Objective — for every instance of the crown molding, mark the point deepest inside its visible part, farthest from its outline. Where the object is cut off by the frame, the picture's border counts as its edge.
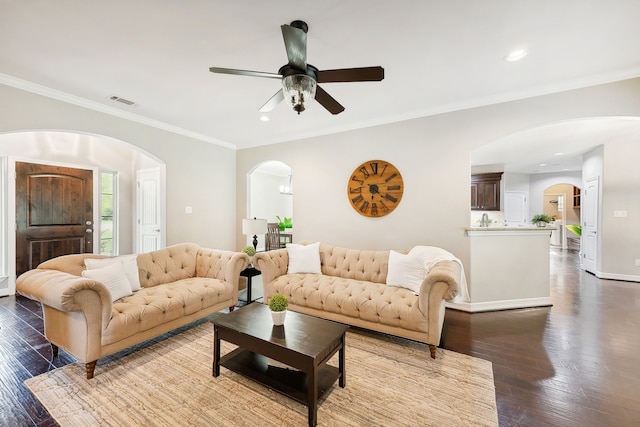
(96, 106)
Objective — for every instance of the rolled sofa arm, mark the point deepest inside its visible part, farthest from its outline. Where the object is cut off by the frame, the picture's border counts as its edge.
(235, 263)
(448, 272)
(58, 290)
(272, 264)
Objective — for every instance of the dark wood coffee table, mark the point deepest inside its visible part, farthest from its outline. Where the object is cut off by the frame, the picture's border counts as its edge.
(304, 343)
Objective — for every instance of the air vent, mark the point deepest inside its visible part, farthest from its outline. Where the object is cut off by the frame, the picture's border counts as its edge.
(124, 101)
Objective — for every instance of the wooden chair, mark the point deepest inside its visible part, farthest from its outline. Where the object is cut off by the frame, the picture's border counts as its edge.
(272, 238)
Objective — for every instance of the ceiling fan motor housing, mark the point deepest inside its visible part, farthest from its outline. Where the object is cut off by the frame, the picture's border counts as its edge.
(288, 70)
(300, 25)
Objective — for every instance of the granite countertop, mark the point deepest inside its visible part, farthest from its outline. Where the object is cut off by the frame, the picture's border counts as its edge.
(503, 228)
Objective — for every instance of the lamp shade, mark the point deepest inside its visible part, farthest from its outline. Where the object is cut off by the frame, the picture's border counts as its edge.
(253, 227)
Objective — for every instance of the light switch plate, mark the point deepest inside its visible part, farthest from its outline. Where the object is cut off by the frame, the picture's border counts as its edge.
(188, 209)
(620, 214)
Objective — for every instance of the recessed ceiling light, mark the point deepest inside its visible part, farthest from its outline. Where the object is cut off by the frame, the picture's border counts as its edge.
(542, 164)
(516, 55)
(558, 154)
(264, 118)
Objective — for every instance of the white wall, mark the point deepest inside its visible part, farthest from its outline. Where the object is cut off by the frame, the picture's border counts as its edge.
(198, 174)
(322, 167)
(432, 153)
(620, 237)
(516, 182)
(267, 201)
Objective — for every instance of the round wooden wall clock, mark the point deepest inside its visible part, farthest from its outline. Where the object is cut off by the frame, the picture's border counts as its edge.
(375, 188)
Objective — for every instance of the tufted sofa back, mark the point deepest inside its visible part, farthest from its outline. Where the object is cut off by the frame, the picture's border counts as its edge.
(72, 264)
(168, 265)
(356, 264)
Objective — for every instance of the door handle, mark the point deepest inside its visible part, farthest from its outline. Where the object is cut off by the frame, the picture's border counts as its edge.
(89, 230)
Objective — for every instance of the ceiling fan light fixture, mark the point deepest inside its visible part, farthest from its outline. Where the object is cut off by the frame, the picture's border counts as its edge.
(298, 89)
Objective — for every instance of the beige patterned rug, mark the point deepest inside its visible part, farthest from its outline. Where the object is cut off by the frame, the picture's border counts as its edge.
(390, 382)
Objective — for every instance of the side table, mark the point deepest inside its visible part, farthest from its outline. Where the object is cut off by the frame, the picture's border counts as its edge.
(249, 272)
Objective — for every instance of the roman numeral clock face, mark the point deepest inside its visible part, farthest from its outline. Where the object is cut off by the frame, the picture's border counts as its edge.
(375, 188)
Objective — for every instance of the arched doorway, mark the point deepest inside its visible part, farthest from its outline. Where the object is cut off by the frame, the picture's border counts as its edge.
(270, 193)
(562, 202)
(103, 155)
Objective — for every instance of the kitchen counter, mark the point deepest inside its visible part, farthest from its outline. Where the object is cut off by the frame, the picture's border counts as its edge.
(502, 228)
(509, 268)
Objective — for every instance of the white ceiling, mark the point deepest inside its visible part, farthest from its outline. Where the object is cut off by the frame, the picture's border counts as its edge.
(438, 56)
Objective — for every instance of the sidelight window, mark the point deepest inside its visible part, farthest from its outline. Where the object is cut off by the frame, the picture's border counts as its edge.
(108, 213)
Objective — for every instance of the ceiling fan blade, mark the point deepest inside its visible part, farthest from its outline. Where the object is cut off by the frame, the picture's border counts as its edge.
(363, 74)
(328, 102)
(244, 72)
(272, 102)
(295, 42)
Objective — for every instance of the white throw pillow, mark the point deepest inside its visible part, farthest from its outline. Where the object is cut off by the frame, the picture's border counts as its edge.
(406, 271)
(130, 265)
(113, 277)
(304, 258)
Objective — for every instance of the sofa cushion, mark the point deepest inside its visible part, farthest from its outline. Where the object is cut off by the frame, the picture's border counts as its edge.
(152, 306)
(406, 271)
(114, 277)
(129, 264)
(304, 258)
(375, 302)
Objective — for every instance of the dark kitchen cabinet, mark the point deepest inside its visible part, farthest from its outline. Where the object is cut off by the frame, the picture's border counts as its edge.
(485, 191)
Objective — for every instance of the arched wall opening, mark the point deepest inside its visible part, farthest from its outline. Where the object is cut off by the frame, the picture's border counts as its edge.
(77, 150)
(270, 194)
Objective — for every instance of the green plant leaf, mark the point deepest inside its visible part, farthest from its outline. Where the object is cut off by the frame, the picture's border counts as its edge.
(575, 228)
(278, 302)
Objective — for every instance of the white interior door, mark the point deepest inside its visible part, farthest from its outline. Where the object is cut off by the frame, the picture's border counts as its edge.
(149, 223)
(589, 244)
(515, 208)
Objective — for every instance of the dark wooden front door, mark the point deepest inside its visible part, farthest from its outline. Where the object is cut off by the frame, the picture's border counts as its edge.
(54, 213)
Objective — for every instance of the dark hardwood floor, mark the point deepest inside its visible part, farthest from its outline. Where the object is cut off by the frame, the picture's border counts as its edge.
(574, 364)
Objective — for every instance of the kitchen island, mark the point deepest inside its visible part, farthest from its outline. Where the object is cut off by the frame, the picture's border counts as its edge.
(509, 268)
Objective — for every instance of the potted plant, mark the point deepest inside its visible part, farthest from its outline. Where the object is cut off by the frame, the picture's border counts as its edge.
(278, 305)
(251, 251)
(284, 223)
(541, 220)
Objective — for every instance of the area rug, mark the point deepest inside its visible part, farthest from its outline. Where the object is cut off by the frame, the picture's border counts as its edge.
(390, 382)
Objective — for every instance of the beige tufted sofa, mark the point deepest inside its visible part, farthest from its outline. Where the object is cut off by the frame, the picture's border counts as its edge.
(352, 290)
(179, 284)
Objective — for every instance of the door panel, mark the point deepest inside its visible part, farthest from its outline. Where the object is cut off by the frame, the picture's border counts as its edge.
(589, 211)
(148, 210)
(515, 208)
(54, 213)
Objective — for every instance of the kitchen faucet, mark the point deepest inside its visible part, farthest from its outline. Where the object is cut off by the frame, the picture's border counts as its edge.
(484, 222)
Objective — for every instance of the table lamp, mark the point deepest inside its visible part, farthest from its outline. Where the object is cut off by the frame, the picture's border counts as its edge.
(253, 227)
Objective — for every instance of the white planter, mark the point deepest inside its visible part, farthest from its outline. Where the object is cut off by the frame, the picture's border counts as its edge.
(278, 317)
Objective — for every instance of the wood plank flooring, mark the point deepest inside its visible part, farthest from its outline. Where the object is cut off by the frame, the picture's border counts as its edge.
(574, 364)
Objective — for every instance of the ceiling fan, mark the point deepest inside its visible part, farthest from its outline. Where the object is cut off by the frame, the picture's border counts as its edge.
(300, 80)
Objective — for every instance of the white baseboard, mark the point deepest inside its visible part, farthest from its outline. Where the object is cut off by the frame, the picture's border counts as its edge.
(476, 307)
(614, 276)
